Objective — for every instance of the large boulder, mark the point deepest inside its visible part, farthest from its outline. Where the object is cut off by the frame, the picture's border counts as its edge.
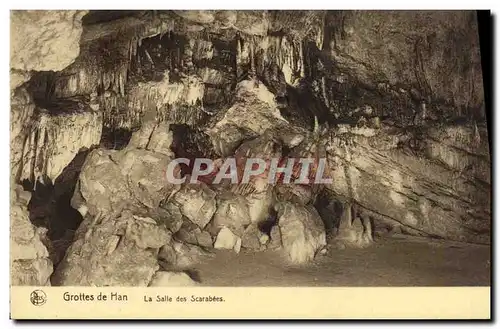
(110, 251)
(196, 202)
(254, 111)
(111, 181)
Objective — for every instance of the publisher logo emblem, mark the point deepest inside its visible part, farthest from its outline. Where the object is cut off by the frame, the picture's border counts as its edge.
(38, 297)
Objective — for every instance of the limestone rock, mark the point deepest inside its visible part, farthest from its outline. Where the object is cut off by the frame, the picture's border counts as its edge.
(197, 16)
(259, 205)
(204, 239)
(434, 39)
(113, 180)
(227, 240)
(168, 214)
(22, 109)
(251, 238)
(192, 234)
(179, 255)
(45, 40)
(196, 202)
(302, 231)
(17, 78)
(34, 272)
(188, 231)
(161, 139)
(54, 141)
(232, 212)
(29, 256)
(412, 188)
(171, 100)
(253, 112)
(171, 279)
(152, 136)
(354, 229)
(275, 238)
(253, 22)
(113, 252)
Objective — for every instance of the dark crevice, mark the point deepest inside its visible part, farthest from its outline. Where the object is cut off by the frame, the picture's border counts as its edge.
(50, 207)
(115, 138)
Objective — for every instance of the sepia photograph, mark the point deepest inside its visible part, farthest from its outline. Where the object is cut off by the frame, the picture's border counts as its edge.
(247, 148)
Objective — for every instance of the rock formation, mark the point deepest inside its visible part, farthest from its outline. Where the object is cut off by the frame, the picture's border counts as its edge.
(392, 100)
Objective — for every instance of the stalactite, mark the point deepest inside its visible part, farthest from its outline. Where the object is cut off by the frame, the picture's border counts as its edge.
(54, 141)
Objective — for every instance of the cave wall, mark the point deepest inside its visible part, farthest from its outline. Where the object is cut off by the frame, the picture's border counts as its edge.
(432, 54)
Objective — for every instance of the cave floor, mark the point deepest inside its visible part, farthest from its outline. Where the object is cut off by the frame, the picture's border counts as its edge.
(391, 261)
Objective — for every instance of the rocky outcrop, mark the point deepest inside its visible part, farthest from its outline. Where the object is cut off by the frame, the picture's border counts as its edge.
(404, 180)
(232, 212)
(30, 263)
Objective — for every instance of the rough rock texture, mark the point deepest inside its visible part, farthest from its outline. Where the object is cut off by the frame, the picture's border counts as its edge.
(434, 52)
(227, 240)
(54, 140)
(18, 77)
(232, 212)
(44, 40)
(172, 279)
(131, 178)
(109, 251)
(395, 99)
(412, 185)
(252, 238)
(153, 136)
(192, 234)
(182, 256)
(21, 116)
(275, 238)
(253, 112)
(196, 202)
(29, 256)
(302, 232)
(354, 229)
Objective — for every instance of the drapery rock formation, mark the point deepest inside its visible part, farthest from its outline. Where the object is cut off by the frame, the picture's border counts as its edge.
(393, 100)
